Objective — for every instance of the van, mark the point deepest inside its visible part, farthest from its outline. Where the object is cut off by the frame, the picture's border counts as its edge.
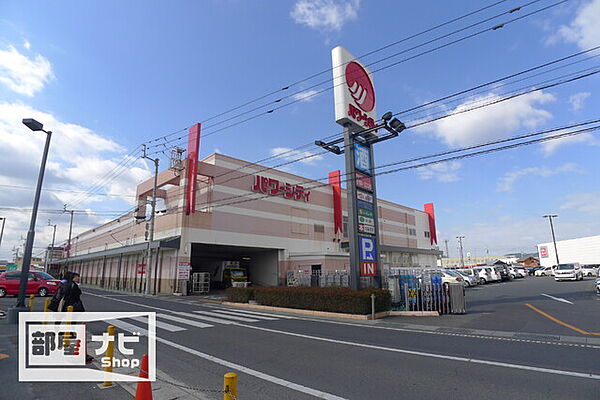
(568, 272)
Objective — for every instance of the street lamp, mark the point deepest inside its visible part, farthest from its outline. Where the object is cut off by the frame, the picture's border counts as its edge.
(462, 258)
(20, 306)
(550, 216)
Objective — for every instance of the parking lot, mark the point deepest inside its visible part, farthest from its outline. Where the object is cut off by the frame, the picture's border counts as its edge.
(531, 304)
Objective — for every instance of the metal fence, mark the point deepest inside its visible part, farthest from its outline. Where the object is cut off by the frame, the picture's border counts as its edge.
(415, 289)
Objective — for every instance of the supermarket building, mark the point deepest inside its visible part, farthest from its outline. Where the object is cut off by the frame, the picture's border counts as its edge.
(233, 210)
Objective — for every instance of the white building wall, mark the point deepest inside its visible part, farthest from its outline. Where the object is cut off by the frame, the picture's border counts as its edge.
(584, 250)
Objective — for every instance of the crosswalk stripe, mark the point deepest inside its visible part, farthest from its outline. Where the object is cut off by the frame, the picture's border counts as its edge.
(129, 327)
(162, 325)
(214, 314)
(185, 321)
(236, 313)
(252, 313)
(205, 318)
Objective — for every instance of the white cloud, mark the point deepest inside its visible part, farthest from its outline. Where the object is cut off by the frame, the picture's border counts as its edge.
(583, 202)
(577, 100)
(77, 158)
(491, 122)
(551, 146)
(306, 96)
(22, 74)
(506, 183)
(584, 30)
(287, 154)
(26, 44)
(326, 15)
(443, 172)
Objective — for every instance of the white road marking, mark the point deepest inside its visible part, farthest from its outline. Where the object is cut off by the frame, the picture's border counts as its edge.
(247, 315)
(556, 298)
(431, 355)
(214, 314)
(184, 321)
(253, 312)
(204, 318)
(253, 372)
(162, 325)
(129, 327)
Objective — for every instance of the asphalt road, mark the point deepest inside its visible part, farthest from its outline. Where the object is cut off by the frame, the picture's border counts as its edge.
(283, 356)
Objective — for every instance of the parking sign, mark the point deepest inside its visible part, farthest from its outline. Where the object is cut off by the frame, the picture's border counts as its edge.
(368, 248)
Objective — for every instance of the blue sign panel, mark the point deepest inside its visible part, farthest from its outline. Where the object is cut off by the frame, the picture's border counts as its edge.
(364, 204)
(362, 158)
(367, 248)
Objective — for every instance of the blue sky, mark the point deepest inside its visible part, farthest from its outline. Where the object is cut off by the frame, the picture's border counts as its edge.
(107, 76)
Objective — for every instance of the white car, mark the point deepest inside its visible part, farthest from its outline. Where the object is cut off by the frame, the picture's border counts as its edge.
(470, 280)
(516, 272)
(449, 276)
(597, 285)
(547, 271)
(590, 270)
(487, 274)
(568, 272)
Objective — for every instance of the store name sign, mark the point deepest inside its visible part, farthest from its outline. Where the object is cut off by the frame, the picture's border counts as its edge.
(276, 187)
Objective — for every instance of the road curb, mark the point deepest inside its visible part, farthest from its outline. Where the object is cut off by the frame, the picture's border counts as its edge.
(307, 312)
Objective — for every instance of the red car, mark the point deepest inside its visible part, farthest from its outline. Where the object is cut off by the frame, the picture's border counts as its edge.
(38, 283)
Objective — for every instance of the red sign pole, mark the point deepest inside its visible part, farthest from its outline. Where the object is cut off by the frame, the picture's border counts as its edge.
(334, 181)
(192, 168)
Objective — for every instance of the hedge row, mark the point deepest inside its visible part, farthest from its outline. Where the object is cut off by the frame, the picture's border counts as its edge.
(331, 299)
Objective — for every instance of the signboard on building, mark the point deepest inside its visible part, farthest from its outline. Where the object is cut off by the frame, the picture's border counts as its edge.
(365, 213)
(364, 196)
(183, 271)
(362, 158)
(192, 168)
(364, 182)
(543, 252)
(363, 228)
(140, 269)
(353, 91)
(275, 187)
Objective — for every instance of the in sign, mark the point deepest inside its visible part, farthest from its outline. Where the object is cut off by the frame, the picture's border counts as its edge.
(368, 268)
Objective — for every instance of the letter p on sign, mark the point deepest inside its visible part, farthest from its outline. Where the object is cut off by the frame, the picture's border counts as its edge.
(368, 250)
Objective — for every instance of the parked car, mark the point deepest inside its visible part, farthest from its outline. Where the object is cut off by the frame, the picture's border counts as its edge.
(590, 269)
(487, 274)
(531, 270)
(470, 280)
(37, 283)
(597, 285)
(546, 271)
(570, 272)
(503, 272)
(522, 271)
(449, 276)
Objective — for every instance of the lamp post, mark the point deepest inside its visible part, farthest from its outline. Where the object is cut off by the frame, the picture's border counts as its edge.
(20, 306)
(462, 258)
(550, 216)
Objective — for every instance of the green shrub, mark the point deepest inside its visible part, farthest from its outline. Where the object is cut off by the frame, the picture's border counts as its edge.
(239, 294)
(330, 299)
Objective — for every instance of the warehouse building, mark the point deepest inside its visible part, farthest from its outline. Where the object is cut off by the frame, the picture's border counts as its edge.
(269, 221)
(585, 250)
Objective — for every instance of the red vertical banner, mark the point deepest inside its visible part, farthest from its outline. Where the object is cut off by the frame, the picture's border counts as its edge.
(431, 214)
(334, 181)
(192, 168)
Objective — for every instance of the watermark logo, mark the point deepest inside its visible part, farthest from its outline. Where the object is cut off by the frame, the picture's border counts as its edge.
(53, 346)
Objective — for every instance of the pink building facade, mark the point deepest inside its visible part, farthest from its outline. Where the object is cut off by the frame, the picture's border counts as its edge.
(270, 221)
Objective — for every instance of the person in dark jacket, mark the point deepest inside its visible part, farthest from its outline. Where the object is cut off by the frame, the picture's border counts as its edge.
(73, 294)
(63, 287)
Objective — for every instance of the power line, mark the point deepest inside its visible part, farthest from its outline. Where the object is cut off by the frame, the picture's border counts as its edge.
(64, 190)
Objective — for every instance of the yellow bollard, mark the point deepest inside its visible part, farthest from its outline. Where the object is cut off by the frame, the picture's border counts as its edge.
(46, 308)
(110, 351)
(230, 386)
(31, 302)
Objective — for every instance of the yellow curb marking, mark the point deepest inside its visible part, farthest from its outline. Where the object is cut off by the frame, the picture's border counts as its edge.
(558, 321)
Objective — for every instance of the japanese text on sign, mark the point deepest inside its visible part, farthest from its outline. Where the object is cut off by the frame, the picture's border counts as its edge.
(275, 187)
(362, 158)
(359, 116)
(364, 196)
(364, 182)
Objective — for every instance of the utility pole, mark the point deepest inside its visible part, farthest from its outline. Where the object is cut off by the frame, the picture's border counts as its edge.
(152, 216)
(462, 259)
(70, 230)
(550, 216)
(49, 254)
(2, 230)
(447, 251)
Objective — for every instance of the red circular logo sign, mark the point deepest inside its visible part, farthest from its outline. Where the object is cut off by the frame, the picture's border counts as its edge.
(360, 86)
